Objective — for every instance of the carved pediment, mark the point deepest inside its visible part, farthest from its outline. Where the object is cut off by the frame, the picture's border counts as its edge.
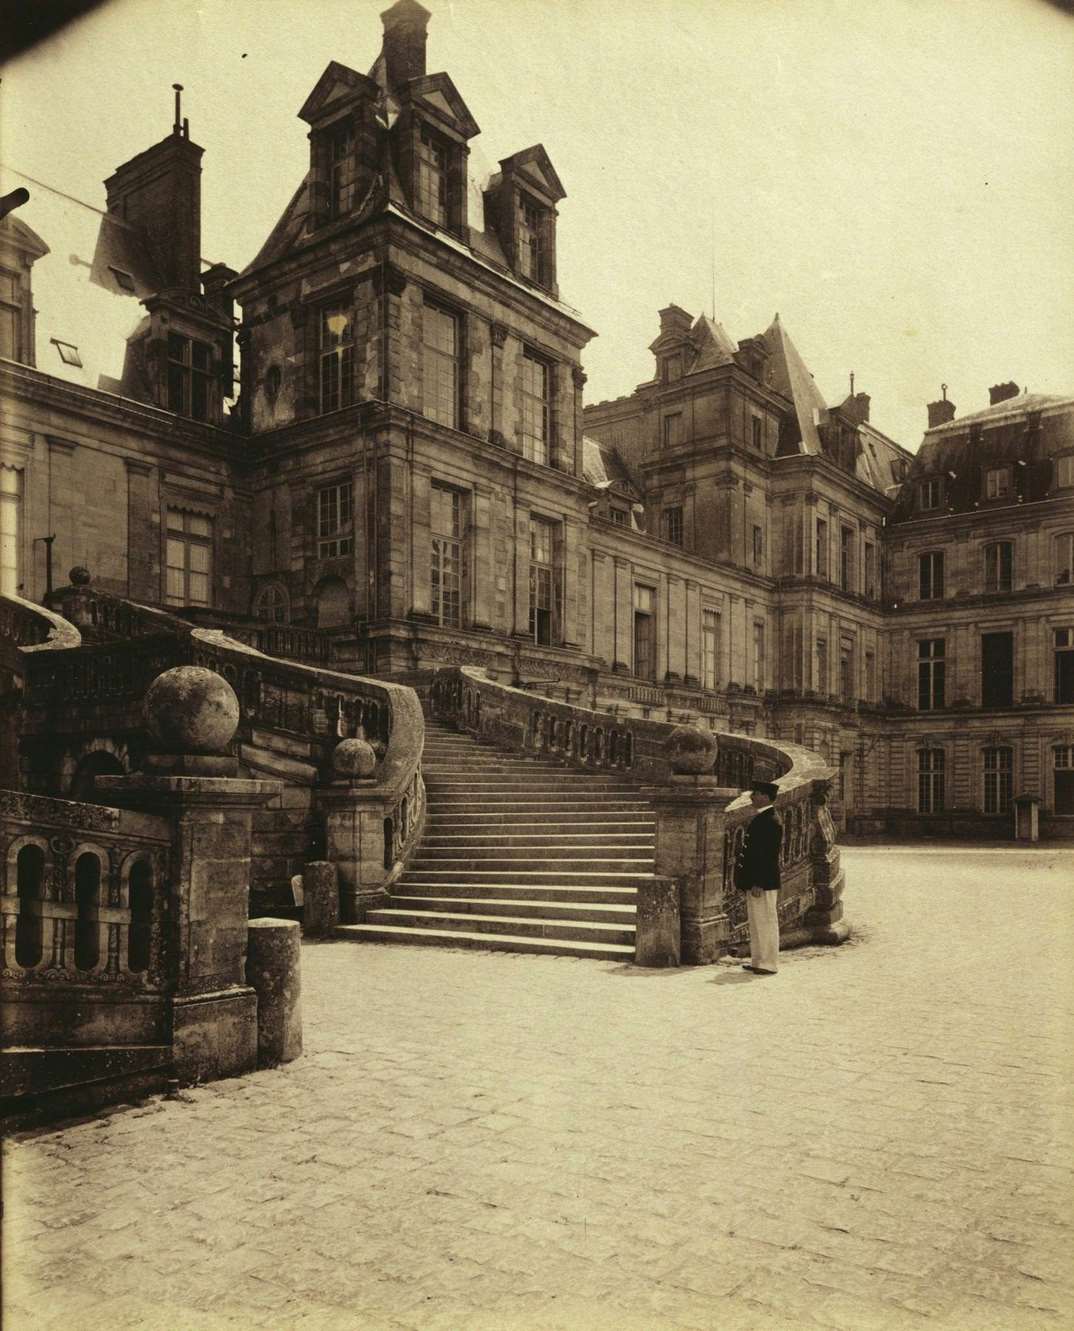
(534, 166)
(336, 85)
(437, 93)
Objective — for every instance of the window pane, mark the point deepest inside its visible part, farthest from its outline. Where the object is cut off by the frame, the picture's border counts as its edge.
(198, 556)
(198, 525)
(199, 589)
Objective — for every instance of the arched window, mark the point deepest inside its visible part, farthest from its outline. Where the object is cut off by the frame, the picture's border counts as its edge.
(30, 874)
(98, 763)
(333, 603)
(141, 927)
(87, 901)
(272, 605)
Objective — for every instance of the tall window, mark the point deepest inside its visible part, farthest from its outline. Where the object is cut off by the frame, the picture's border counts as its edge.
(546, 581)
(997, 669)
(930, 576)
(846, 668)
(1064, 470)
(644, 632)
(190, 558)
(758, 547)
(758, 656)
(619, 516)
(536, 408)
(10, 515)
(672, 429)
(1063, 773)
(997, 482)
(999, 566)
(337, 358)
(532, 253)
(931, 673)
(440, 365)
(870, 570)
(846, 558)
(446, 572)
(821, 559)
(710, 648)
(673, 524)
(335, 520)
(10, 315)
(997, 780)
(758, 433)
(1064, 665)
(1064, 559)
(930, 780)
(341, 170)
(433, 177)
(189, 376)
(822, 665)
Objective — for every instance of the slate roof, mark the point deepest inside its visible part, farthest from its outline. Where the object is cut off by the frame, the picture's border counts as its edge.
(714, 346)
(603, 467)
(788, 375)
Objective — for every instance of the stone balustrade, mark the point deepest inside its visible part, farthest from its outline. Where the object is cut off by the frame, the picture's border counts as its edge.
(694, 780)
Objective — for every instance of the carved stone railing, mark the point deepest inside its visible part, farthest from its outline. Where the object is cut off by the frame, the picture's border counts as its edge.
(83, 901)
(694, 780)
(31, 627)
(292, 642)
(75, 690)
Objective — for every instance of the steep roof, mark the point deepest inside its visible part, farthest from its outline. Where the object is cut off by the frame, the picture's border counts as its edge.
(714, 345)
(789, 376)
(602, 466)
(1012, 406)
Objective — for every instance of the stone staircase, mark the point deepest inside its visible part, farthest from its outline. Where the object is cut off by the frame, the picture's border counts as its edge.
(519, 855)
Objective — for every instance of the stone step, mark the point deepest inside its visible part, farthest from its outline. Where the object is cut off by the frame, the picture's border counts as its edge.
(526, 862)
(607, 912)
(569, 894)
(474, 823)
(436, 872)
(553, 803)
(531, 841)
(517, 926)
(511, 856)
(449, 786)
(383, 933)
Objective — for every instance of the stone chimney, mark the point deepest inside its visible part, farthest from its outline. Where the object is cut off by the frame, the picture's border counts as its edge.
(675, 319)
(159, 192)
(941, 412)
(1001, 392)
(857, 406)
(405, 27)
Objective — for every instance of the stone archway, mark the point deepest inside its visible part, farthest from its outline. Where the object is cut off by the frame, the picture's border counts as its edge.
(332, 603)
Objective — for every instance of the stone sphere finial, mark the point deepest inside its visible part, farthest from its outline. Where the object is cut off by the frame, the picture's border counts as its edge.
(191, 710)
(80, 576)
(354, 758)
(690, 750)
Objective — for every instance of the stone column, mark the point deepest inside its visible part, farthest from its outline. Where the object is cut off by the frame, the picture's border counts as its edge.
(192, 715)
(354, 830)
(624, 615)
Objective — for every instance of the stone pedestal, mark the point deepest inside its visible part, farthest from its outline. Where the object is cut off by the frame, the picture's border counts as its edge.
(824, 919)
(320, 898)
(690, 827)
(214, 1010)
(273, 970)
(659, 930)
(354, 834)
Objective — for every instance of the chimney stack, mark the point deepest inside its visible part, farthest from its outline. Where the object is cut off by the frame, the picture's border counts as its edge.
(675, 319)
(405, 27)
(1001, 392)
(159, 192)
(941, 412)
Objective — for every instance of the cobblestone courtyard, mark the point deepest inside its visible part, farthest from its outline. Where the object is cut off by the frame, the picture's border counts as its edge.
(880, 1136)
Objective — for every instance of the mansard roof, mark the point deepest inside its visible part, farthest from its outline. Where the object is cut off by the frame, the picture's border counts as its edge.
(604, 469)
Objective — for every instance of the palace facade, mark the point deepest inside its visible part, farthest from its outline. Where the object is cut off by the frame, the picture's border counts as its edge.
(402, 464)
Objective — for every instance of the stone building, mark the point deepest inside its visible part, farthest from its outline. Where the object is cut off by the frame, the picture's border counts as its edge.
(402, 474)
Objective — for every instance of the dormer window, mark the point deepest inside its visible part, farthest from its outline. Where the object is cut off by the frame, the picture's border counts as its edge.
(341, 167)
(68, 352)
(433, 166)
(189, 376)
(10, 315)
(997, 482)
(532, 243)
(930, 494)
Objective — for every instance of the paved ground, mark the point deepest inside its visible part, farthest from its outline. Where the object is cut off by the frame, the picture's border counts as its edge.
(879, 1136)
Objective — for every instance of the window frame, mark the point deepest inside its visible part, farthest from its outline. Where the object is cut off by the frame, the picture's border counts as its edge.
(1063, 663)
(847, 562)
(931, 780)
(710, 647)
(335, 358)
(1058, 578)
(342, 170)
(448, 557)
(189, 384)
(535, 422)
(191, 540)
(997, 779)
(672, 526)
(12, 490)
(532, 247)
(1063, 462)
(994, 570)
(546, 581)
(1006, 473)
(931, 674)
(442, 401)
(930, 494)
(821, 549)
(931, 587)
(334, 505)
(432, 156)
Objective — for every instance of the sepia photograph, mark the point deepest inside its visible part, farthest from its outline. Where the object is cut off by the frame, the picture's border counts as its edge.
(537, 665)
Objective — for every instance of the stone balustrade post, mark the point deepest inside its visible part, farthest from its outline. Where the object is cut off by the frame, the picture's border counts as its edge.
(354, 816)
(192, 715)
(824, 919)
(690, 836)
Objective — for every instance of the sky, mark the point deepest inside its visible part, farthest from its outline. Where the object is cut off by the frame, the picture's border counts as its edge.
(892, 176)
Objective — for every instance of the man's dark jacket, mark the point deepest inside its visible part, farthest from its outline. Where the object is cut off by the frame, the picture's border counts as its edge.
(758, 861)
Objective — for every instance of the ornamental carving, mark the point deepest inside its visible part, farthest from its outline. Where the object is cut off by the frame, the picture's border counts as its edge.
(40, 809)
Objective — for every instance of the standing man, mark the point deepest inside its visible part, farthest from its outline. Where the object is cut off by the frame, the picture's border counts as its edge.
(757, 874)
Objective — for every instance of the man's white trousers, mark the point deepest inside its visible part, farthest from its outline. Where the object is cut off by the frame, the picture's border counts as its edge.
(762, 912)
